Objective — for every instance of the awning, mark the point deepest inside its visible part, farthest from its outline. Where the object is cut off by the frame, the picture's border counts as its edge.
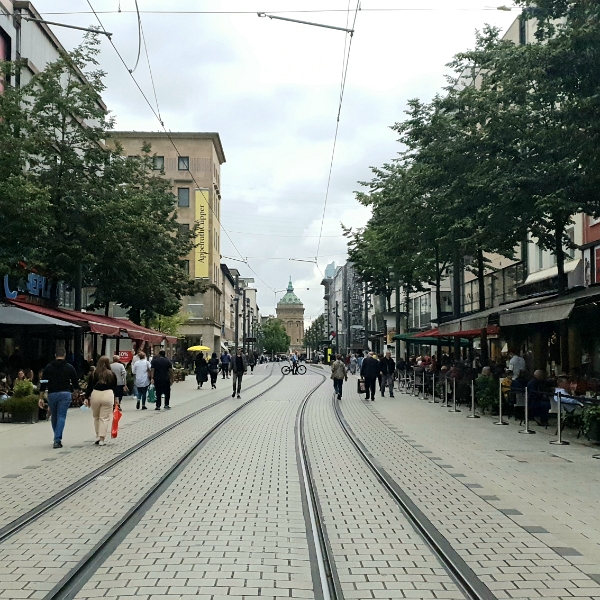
(473, 333)
(429, 333)
(12, 316)
(546, 311)
(544, 274)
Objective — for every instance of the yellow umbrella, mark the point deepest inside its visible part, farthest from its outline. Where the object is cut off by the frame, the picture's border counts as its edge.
(199, 349)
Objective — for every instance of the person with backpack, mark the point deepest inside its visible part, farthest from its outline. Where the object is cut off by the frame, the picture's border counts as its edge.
(339, 374)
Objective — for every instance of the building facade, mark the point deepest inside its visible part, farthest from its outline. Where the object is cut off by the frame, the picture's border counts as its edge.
(194, 167)
(290, 311)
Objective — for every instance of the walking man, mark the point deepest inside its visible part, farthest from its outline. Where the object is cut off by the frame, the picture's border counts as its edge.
(161, 372)
(141, 374)
(369, 372)
(387, 369)
(239, 366)
(339, 374)
(59, 378)
(225, 363)
(121, 374)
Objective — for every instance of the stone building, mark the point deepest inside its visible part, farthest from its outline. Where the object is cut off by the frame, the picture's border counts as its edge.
(290, 311)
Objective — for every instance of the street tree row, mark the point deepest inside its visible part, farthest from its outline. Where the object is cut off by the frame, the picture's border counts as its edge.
(510, 147)
(72, 206)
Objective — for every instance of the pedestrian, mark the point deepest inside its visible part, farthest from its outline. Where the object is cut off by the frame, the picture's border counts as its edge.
(100, 396)
(339, 374)
(379, 358)
(213, 370)
(387, 367)
(120, 372)
(201, 369)
(60, 379)
(369, 372)
(353, 364)
(251, 362)
(161, 375)
(359, 362)
(141, 374)
(239, 366)
(225, 363)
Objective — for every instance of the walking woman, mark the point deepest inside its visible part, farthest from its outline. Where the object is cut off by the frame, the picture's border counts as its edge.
(201, 369)
(100, 396)
(213, 370)
(339, 374)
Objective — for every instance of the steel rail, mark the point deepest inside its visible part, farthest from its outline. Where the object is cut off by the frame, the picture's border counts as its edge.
(70, 585)
(466, 579)
(330, 585)
(38, 511)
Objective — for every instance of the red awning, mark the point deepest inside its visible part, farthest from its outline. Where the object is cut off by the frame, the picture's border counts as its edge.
(429, 333)
(473, 333)
(137, 332)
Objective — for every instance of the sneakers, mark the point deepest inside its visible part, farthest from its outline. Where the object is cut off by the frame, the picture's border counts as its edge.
(239, 397)
(97, 442)
(391, 395)
(101, 443)
(157, 408)
(57, 445)
(137, 404)
(167, 408)
(339, 396)
(233, 395)
(144, 408)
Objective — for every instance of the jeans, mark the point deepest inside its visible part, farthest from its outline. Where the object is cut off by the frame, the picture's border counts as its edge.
(337, 386)
(141, 394)
(387, 381)
(237, 379)
(162, 387)
(225, 369)
(59, 403)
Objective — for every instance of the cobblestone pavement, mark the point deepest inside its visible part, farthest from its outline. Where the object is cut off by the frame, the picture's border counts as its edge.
(377, 553)
(50, 471)
(509, 557)
(232, 525)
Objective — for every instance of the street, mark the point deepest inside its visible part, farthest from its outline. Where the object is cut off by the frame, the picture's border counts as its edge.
(257, 497)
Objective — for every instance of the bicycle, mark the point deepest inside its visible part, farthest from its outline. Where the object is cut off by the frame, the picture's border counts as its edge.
(286, 370)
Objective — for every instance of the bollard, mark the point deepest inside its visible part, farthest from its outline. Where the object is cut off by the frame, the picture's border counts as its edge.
(414, 383)
(433, 400)
(454, 409)
(559, 441)
(500, 420)
(446, 391)
(472, 415)
(527, 430)
(424, 390)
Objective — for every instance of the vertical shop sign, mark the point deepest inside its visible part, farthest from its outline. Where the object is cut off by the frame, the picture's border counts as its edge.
(202, 255)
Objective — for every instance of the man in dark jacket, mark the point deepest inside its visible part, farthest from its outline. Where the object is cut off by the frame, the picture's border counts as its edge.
(239, 366)
(387, 368)
(161, 371)
(59, 378)
(369, 372)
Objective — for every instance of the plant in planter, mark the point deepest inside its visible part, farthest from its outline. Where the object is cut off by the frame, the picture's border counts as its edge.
(591, 423)
(23, 404)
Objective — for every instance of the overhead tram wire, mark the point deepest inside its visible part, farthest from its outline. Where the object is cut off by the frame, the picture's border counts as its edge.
(159, 119)
(280, 12)
(337, 126)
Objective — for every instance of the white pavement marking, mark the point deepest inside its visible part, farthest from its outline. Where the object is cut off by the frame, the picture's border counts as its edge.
(232, 525)
(511, 561)
(377, 552)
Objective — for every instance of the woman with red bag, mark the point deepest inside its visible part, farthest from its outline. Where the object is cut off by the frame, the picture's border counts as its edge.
(100, 396)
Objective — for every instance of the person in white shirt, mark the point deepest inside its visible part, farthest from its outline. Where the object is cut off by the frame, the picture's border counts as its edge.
(121, 374)
(517, 365)
(141, 374)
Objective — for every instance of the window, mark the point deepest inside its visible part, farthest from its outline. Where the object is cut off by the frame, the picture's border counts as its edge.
(184, 227)
(183, 197)
(540, 258)
(571, 235)
(522, 31)
(186, 267)
(183, 163)
(158, 163)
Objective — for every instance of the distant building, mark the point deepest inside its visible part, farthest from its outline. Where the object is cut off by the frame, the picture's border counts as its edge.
(290, 311)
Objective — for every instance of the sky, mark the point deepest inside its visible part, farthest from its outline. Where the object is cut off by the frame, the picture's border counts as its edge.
(271, 89)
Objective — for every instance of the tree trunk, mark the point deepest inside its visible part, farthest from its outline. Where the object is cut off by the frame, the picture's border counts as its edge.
(438, 286)
(135, 315)
(456, 265)
(560, 259)
(106, 309)
(480, 278)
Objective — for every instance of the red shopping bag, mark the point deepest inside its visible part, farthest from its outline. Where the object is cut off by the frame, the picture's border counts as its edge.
(115, 425)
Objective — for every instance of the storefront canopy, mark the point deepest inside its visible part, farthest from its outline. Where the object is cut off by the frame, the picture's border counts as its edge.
(555, 309)
(12, 316)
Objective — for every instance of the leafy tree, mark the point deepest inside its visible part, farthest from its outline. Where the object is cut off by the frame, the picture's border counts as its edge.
(315, 334)
(171, 325)
(274, 337)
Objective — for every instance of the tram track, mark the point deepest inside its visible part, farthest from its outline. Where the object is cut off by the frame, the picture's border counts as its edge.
(44, 507)
(460, 572)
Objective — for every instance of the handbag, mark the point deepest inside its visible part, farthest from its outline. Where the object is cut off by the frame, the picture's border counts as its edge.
(151, 397)
(361, 388)
(115, 424)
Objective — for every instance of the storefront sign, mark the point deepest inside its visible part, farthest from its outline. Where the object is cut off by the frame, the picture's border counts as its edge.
(35, 285)
(125, 356)
(202, 241)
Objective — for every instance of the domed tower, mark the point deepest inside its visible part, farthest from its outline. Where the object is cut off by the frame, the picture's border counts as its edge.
(290, 311)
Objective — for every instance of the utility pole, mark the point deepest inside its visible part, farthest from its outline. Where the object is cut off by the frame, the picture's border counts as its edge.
(337, 343)
(237, 312)
(244, 319)
(348, 323)
(366, 340)
(397, 320)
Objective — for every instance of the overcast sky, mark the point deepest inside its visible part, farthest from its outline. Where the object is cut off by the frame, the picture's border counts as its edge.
(271, 90)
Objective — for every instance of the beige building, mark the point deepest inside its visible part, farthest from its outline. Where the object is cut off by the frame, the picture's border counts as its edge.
(194, 167)
(290, 311)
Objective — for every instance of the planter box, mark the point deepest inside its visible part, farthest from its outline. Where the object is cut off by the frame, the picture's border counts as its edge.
(594, 431)
(33, 418)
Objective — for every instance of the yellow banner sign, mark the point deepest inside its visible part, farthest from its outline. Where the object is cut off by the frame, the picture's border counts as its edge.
(202, 256)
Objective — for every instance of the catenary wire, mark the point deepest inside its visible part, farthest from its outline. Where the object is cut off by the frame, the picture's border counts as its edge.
(167, 132)
(337, 127)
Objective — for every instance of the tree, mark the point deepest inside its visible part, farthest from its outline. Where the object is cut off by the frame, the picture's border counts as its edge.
(274, 337)
(171, 325)
(315, 334)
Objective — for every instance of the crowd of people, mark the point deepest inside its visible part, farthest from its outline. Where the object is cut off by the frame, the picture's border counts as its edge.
(232, 367)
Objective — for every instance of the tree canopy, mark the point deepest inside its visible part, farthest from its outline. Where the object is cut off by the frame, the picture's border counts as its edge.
(274, 338)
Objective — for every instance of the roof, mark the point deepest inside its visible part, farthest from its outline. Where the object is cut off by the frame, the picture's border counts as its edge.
(290, 299)
(179, 135)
